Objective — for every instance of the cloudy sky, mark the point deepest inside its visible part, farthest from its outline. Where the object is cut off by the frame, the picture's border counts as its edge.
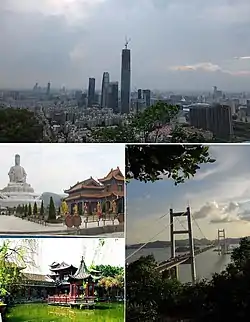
(56, 167)
(180, 44)
(219, 197)
(51, 250)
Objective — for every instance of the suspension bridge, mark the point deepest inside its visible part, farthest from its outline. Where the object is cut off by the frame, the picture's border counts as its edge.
(170, 266)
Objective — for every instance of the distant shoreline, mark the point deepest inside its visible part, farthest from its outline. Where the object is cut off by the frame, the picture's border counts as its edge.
(179, 243)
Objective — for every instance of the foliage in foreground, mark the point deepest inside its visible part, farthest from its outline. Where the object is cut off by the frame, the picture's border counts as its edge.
(152, 297)
(13, 258)
(146, 126)
(178, 162)
(19, 126)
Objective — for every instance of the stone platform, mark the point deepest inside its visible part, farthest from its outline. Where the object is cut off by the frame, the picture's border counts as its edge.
(11, 225)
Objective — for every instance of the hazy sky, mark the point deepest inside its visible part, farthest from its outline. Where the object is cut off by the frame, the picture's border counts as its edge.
(218, 196)
(180, 44)
(56, 167)
(51, 250)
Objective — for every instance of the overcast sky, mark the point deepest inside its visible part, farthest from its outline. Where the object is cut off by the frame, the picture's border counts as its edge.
(181, 44)
(56, 167)
(51, 250)
(218, 196)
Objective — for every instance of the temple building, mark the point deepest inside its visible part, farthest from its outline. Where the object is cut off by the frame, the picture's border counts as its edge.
(88, 193)
(60, 275)
(86, 276)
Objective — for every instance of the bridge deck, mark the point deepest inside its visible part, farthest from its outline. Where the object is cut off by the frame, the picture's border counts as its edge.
(181, 259)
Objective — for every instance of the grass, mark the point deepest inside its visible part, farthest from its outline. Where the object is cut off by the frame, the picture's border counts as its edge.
(112, 312)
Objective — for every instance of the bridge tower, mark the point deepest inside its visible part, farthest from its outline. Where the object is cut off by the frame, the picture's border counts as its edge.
(189, 232)
(222, 246)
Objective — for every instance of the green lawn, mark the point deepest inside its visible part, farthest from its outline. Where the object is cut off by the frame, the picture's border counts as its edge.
(46, 313)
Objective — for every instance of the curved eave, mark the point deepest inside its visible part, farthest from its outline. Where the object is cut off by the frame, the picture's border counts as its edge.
(122, 179)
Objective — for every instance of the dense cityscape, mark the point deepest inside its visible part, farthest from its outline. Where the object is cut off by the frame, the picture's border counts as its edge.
(68, 115)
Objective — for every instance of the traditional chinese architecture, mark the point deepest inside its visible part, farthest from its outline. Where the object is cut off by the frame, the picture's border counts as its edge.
(31, 287)
(107, 192)
(60, 273)
(81, 287)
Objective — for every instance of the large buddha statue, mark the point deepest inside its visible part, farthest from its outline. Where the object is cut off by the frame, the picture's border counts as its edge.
(17, 173)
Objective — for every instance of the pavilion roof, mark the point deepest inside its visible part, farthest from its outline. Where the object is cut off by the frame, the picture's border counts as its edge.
(89, 183)
(37, 278)
(113, 173)
(84, 273)
(103, 195)
(56, 266)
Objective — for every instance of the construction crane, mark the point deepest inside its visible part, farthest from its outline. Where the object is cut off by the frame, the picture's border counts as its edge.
(127, 41)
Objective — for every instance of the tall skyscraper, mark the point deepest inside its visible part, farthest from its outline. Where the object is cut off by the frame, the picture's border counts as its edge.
(91, 92)
(113, 97)
(125, 80)
(105, 87)
(139, 94)
(147, 97)
(48, 89)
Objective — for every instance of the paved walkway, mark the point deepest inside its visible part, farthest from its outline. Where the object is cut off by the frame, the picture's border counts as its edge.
(10, 224)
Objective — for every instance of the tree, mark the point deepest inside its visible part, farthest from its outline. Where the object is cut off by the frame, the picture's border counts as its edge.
(14, 256)
(35, 211)
(26, 210)
(42, 210)
(29, 210)
(19, 126)
(226, 294)
(147, 126)
(178, 162)
(52, 210)
(108, 270)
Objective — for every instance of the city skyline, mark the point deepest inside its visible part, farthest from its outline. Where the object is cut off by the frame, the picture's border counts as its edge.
(56, 167)
(209, 45)
(218, 196)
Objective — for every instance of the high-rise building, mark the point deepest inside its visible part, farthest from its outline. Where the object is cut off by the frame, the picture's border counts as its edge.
(139, 94)
(91, 92)
(105, 87)
(113, 97)
(216, 118)
(125, 80)
(48, 89)
(147, 97)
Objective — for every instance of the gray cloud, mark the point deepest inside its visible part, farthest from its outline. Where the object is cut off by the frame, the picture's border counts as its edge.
(224, 213)
(68, 41)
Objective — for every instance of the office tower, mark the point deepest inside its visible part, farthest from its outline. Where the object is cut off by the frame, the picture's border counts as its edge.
(198, 116)
(125, 80)
(220, 121)
(216, 118)
(35, 87)
(48, 89)
(105, 87)
(113, 97)
(139, 94)
(91, 92)
(147, 97)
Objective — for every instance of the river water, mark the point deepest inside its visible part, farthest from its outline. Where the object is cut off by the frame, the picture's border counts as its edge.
(206, 263)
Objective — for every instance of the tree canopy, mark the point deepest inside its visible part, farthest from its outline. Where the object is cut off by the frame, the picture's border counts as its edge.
(178, 162)
(19, 126)
(13, 258)
(52, 210)
(146, 126)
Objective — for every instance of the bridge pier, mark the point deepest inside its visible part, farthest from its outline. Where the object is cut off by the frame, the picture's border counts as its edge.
(189, 232)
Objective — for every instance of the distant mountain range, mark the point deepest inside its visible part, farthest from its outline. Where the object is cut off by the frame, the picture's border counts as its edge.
(56, 198)
(181, 243)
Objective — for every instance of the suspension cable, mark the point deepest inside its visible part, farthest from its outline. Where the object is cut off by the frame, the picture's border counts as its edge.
(145, 244)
